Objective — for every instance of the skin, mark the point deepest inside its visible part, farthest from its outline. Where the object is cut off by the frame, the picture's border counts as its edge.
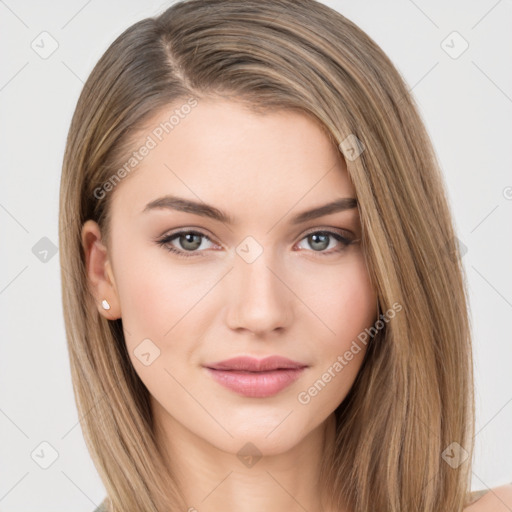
(292, 300)
(498, 499)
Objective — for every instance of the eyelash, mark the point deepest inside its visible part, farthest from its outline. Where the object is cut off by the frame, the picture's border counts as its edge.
(165, 240)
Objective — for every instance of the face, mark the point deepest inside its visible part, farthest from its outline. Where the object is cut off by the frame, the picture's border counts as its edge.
(194, 290)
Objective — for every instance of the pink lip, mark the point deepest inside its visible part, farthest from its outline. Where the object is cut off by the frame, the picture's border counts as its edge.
(256, 378)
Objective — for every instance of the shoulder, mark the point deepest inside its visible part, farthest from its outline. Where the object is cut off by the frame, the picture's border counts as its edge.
(498, 499)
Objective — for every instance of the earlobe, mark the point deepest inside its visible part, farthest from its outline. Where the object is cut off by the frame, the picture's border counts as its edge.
(99, 273)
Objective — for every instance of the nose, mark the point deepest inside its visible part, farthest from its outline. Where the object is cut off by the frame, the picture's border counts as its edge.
(259, 300)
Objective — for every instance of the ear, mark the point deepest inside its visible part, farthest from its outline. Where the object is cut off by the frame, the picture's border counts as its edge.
(99, 271)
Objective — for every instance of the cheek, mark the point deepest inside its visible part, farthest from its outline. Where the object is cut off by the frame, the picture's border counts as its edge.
(156, 300)
(152, 294)
(347, 306)
(357, 304)
(345, 300)
(162, 300)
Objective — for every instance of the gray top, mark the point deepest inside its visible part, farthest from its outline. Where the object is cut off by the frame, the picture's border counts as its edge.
(102, 507)
(473, 496)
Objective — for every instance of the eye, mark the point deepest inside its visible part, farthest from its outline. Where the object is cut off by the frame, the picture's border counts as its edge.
(189, 241)
(319, 241)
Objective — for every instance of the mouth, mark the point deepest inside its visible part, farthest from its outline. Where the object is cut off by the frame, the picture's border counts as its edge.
(256, 378)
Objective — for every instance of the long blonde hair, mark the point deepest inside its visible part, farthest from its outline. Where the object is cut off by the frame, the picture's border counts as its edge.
(411, 407)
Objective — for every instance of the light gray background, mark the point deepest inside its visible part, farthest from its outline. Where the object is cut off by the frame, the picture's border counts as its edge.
(466, 104)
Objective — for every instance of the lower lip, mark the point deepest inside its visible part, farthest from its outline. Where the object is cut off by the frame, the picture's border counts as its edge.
(256, 384)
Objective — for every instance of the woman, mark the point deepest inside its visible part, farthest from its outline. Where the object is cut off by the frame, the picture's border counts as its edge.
(263, 296)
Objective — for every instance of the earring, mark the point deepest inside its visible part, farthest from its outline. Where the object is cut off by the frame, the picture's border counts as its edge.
(105, 304)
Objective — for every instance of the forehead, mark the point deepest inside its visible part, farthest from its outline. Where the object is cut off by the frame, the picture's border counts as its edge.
(223, 153)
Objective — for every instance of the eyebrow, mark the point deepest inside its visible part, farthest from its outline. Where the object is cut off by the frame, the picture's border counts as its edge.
(199, 208)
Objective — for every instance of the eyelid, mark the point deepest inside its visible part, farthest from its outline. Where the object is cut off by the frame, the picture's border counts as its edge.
(187, 229)
(341, 231)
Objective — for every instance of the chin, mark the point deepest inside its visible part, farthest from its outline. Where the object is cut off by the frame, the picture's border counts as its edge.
(264, 439)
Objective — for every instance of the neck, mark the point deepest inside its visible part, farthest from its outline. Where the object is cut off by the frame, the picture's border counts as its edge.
(243, 478)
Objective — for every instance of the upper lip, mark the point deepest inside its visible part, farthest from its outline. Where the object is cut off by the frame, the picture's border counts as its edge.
(252, 364)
